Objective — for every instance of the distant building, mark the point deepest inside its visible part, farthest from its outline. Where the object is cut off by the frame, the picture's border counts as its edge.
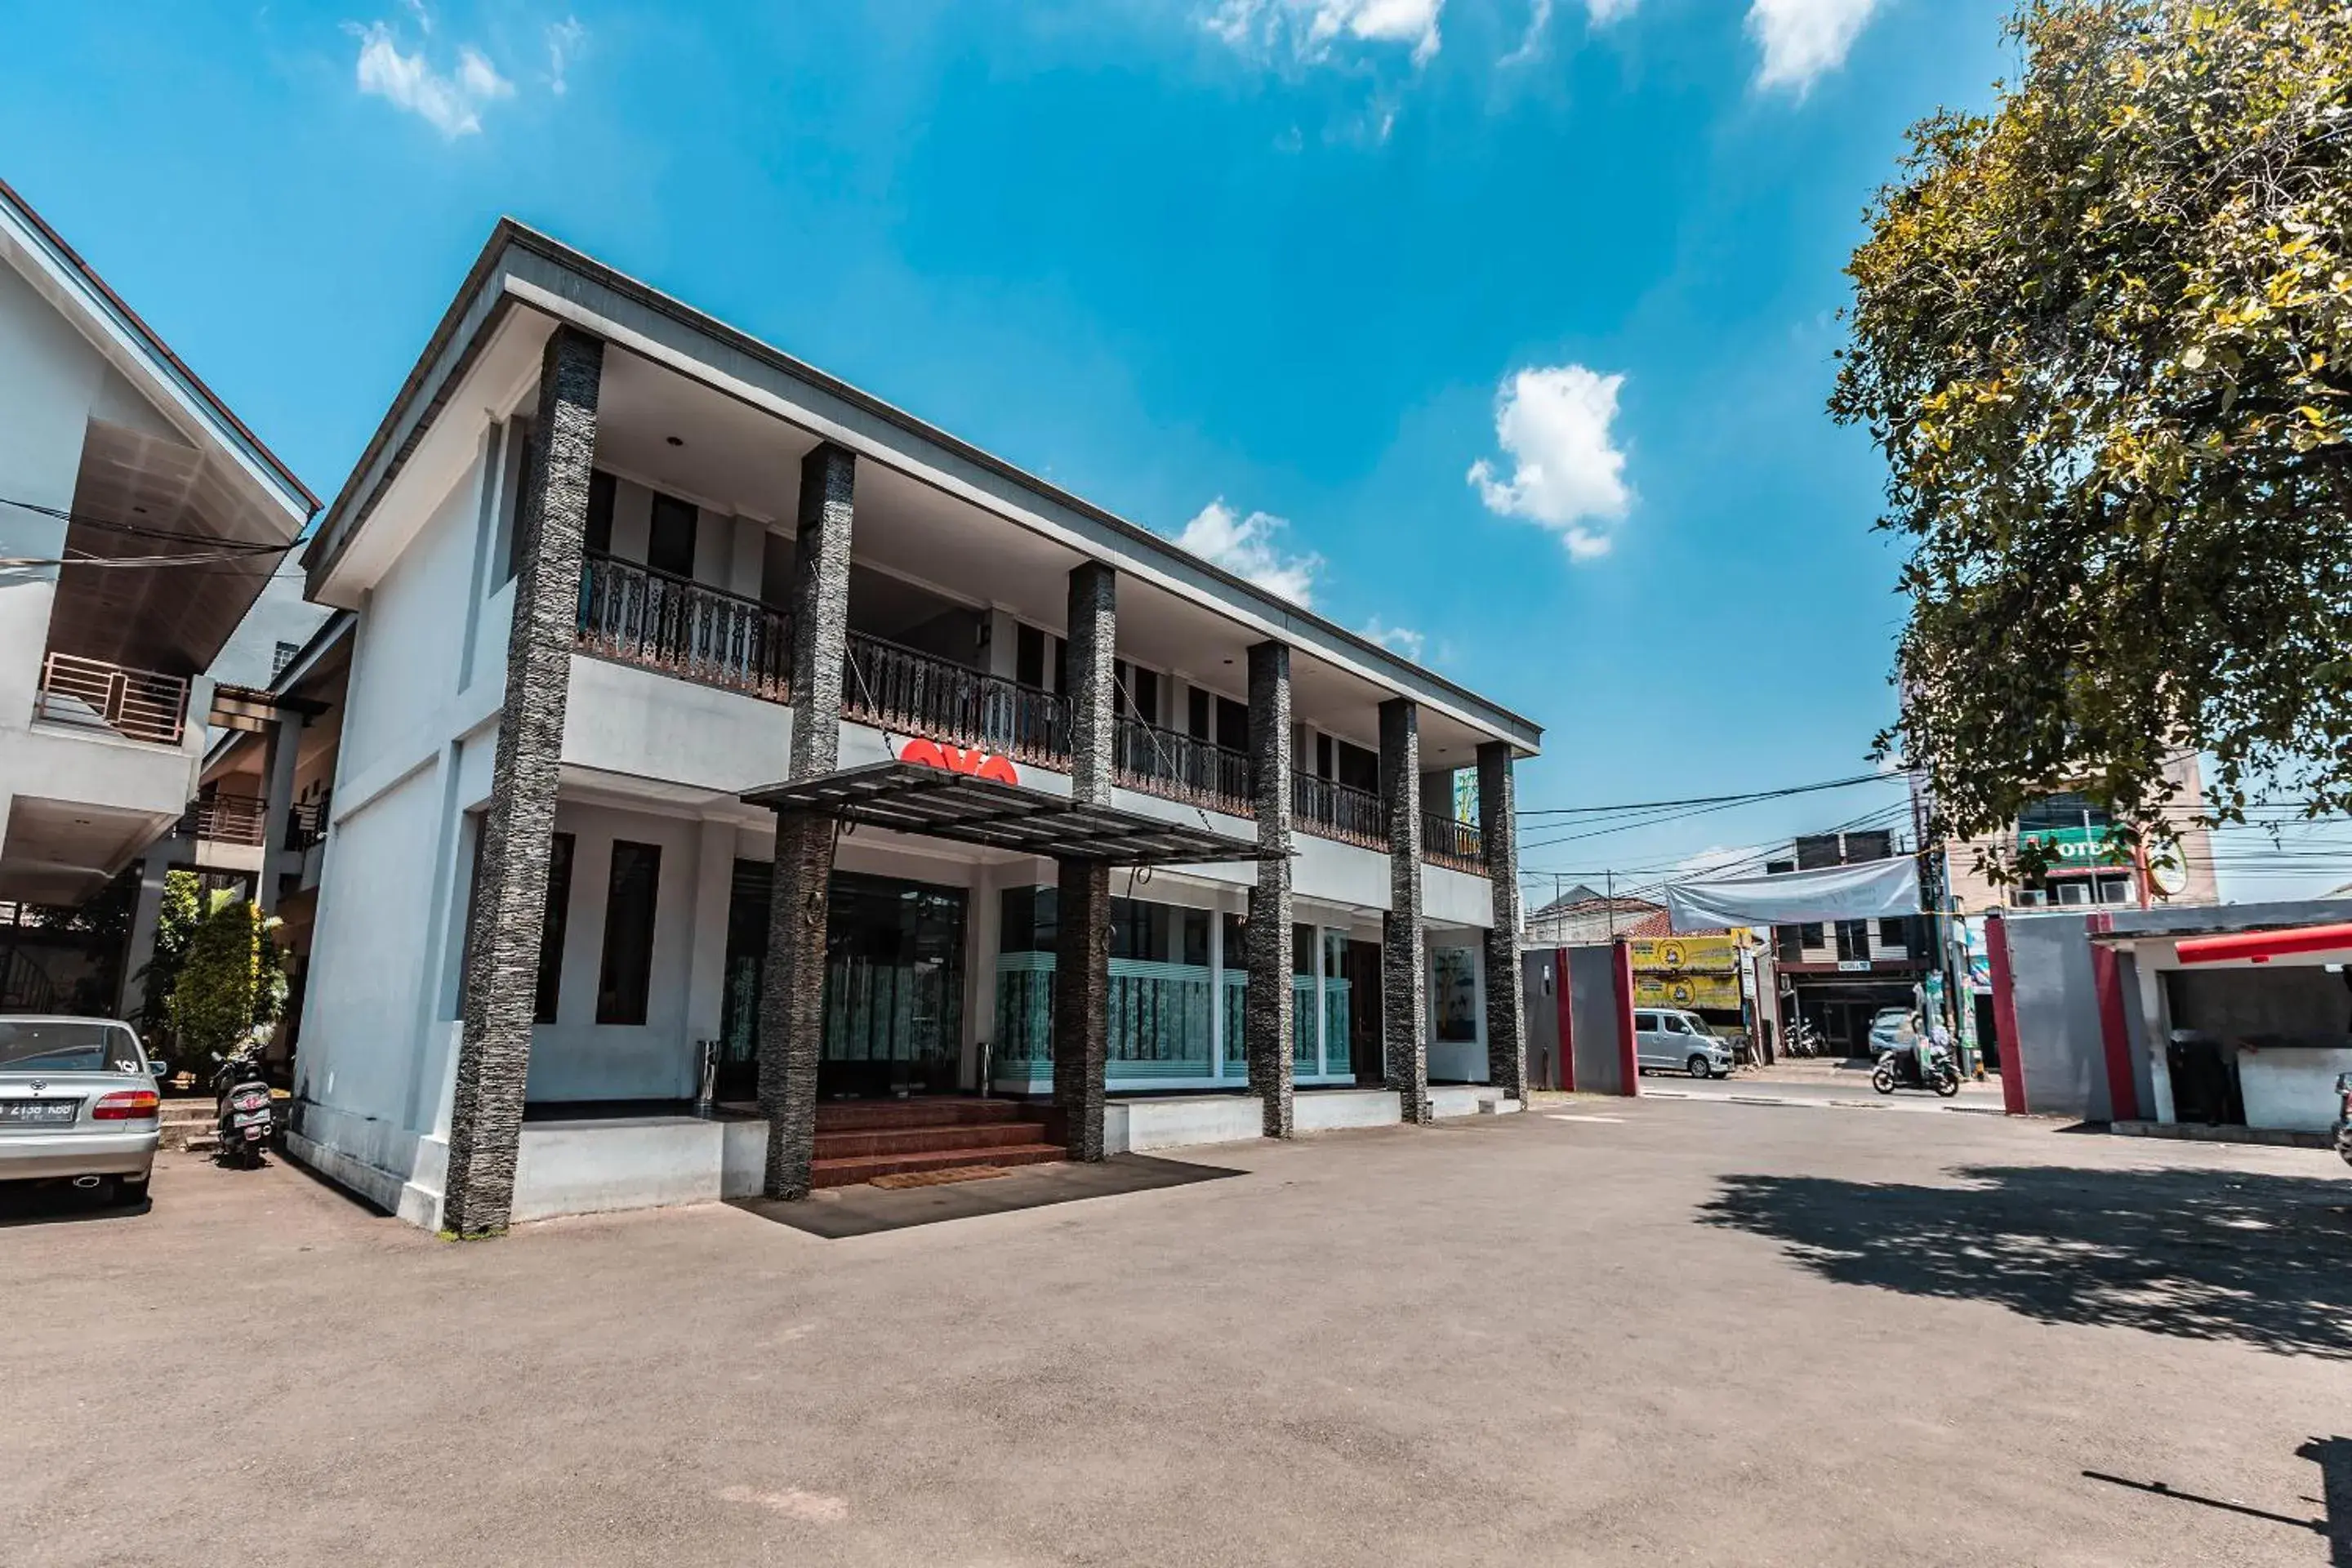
(1838, 974)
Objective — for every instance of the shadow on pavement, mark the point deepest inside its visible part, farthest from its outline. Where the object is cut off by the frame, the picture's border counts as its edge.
(837, 1213)
(56, 1203)
(2208, 1255)
(2334, 1458)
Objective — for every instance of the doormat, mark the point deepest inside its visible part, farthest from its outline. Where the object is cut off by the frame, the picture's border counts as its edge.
(940, 1178)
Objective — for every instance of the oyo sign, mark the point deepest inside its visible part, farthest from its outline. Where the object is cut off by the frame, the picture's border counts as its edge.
(957, 760)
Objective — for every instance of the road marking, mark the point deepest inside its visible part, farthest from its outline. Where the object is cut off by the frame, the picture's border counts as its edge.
(1556, 1117)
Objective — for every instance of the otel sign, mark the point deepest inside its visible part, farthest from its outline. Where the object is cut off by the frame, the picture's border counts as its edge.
(957, 760)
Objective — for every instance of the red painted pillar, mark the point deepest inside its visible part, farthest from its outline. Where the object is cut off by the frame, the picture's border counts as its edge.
(2004, 1013)
(1567, 1019)
(1620, 977)
(2115, 1032)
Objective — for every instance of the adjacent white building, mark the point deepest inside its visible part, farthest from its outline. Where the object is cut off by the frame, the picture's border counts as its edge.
(139, 520)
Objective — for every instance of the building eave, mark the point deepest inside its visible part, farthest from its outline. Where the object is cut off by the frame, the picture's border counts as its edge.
(573, 286)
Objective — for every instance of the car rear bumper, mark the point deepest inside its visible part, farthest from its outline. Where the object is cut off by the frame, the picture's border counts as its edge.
(39, 1156)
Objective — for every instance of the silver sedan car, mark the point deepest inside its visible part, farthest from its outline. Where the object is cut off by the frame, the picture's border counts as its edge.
(77, 1104)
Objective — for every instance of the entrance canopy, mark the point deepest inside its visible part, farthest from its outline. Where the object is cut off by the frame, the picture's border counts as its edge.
(907, 798)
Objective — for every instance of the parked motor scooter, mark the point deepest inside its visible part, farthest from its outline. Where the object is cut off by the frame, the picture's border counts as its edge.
(1899, 1069)
(242, 1108)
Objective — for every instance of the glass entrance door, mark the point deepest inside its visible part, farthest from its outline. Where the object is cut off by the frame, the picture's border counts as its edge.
(893, 987)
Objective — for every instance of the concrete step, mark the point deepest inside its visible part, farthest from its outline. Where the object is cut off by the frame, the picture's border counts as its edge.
(850, 1145)
(873, 1115)
(850, 1173)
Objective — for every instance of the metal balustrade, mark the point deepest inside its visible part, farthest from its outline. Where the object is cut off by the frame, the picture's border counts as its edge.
(1179, 767)
(226, 819)
(675, 625)
(137, 704)
(910, 693)
(1329, 810)
(306, 821)
(1445, 842)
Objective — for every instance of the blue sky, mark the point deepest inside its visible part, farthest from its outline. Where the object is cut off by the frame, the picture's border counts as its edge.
(1498, 327)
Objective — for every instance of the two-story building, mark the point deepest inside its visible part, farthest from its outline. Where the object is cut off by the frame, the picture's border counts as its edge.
(138, 520)
(718, 734)
(1837, 976)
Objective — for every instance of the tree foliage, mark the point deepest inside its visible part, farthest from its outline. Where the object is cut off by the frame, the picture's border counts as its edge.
(231, 979)
(2103, 335)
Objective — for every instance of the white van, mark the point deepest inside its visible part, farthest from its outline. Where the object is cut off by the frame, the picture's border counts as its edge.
(1665, 1037)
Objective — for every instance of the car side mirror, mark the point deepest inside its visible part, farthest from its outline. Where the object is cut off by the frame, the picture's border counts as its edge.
(159, 1070)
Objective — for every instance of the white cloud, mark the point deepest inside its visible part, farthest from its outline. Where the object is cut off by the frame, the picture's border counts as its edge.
(1245, 546)
(1604, 12)
(1308, 29)
(1554, 422)
(1397, 639)
(564, 39)
(1802, 39)
(451, 103)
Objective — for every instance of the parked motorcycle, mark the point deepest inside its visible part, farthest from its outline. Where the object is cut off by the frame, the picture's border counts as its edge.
(242, 1108)
(1899, 1069)
(2344, 1117)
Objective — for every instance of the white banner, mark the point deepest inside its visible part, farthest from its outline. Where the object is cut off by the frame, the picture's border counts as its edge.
(1867, 891)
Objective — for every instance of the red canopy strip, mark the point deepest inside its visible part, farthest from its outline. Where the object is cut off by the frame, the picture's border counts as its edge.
(2261, 946)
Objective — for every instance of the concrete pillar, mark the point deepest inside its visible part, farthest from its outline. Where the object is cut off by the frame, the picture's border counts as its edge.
(1266, 1014)
(1506, 1043)
(285, 750)
(146, 919)
(510, 898)
(1082, 951)
(791, 980)
(1404, 935)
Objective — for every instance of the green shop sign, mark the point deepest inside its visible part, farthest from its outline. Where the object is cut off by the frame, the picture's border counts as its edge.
(2075, 845)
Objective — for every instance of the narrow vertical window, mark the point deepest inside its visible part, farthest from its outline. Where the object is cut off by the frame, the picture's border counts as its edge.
(625, 976)
(669, 539)
(598, 536)
(551, 927)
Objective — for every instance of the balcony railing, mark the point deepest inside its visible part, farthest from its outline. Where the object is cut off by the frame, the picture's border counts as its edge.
(1329, 810)
(137, 704)
(226, 819)
(897, 689)
(682, 627)
(1445, 842)
(1163, 763)
(306, 821)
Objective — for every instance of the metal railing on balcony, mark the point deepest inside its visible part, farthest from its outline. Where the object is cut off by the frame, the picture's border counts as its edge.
(1445, 842)
(306, 821)
(226, 819)
(682, 627)
(1163, 763)
(910, 693)
(137, 704)
(1329, 810)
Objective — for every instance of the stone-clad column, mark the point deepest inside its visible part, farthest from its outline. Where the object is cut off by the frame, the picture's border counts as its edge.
(1266, 1012)
(1498, 833)
(1404, 984)
(1082, 945)
(791, 977)
(510, 898)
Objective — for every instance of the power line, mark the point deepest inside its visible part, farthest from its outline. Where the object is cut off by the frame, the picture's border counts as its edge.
(1709, 799)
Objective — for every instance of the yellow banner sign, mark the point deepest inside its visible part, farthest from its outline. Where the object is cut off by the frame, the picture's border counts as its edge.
(1686, 991)
(1686, 955)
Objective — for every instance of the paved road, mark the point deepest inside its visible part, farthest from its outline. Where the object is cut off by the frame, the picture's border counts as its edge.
(1849, 1088)
(1658, 1332)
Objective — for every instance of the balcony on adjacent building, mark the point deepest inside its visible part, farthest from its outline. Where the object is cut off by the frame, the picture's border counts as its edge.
(226, 819)
(136, 704)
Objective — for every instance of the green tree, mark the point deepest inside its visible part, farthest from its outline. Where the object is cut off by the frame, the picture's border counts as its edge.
(178, 912)
(2103, 335)
(232, 978)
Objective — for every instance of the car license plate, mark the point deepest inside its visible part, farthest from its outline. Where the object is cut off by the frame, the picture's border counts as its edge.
(42, 1110)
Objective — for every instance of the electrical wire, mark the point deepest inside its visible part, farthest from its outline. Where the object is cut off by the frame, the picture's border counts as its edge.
(1526, 812)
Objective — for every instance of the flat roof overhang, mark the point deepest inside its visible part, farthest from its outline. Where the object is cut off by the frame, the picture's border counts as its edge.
(931, 803)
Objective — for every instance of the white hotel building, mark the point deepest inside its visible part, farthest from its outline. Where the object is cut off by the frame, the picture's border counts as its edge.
(616, 567)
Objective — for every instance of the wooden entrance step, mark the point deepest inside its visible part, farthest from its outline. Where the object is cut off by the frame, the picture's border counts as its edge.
(871, 1115)
(851, 1171)
(862, 1143)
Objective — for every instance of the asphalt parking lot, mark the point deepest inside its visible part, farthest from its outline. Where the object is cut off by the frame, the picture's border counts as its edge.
(1655, 1331)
